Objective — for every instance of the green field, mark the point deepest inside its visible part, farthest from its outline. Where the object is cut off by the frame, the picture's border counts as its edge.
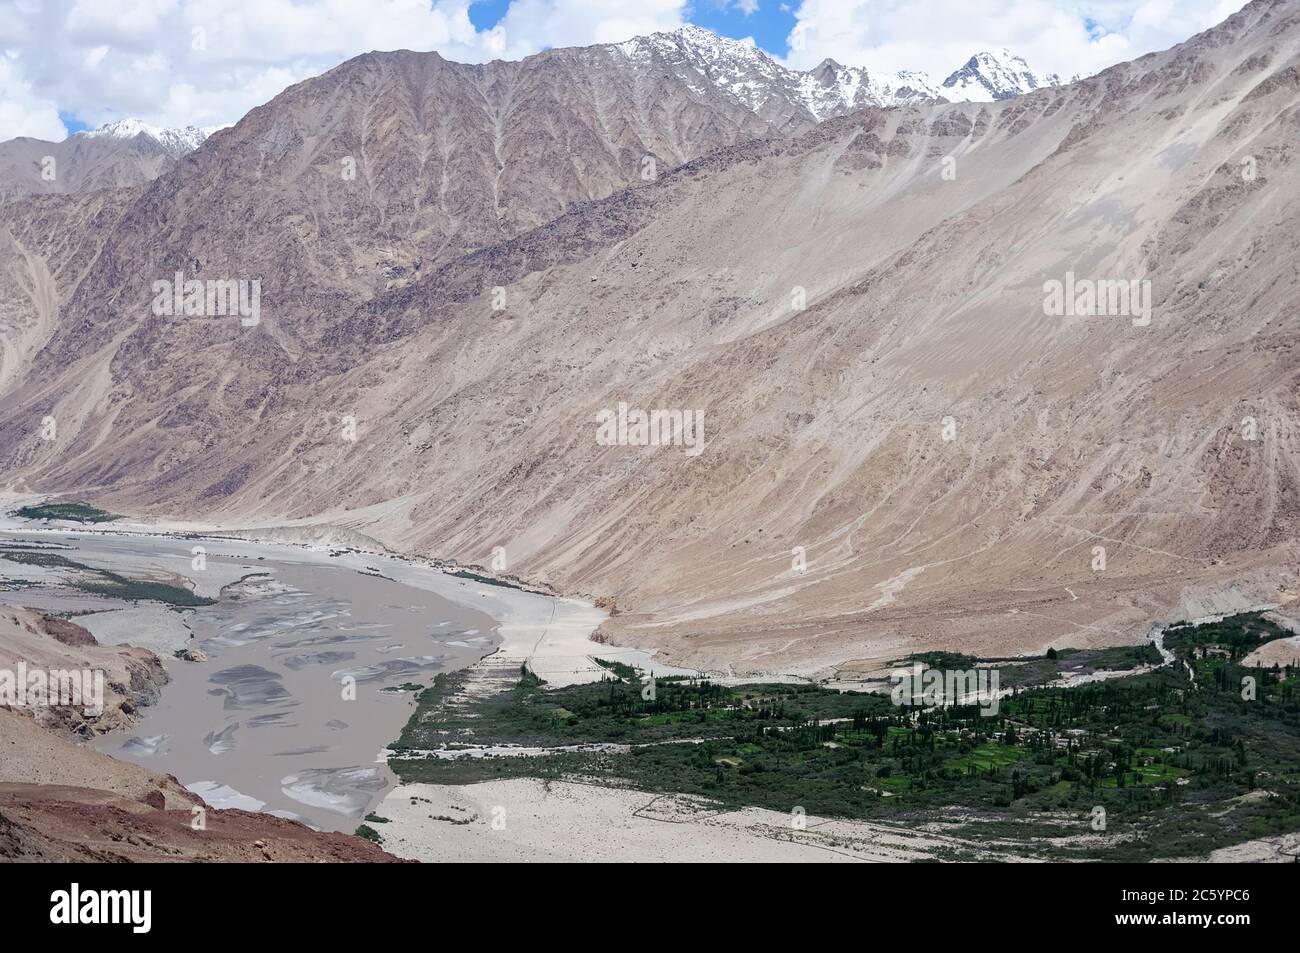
(1179, 767)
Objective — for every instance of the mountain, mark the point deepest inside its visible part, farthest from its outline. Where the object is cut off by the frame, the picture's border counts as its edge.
(831, 89)
(123, 153)
(351, 183)
(376, 172)
(905, 446)
(990, 76)
(788, 99)
(675, 96)
(175, 142)
(792, 100)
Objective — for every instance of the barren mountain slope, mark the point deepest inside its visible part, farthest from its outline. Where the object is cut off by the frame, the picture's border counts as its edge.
(47, 244)
(356, 180)
(393, 163)
(825, 426)
(120, 154)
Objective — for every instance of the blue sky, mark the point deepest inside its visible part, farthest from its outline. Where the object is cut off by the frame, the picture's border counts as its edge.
(71, 122)
(768, 22)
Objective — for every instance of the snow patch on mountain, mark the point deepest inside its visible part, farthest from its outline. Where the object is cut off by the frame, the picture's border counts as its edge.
(990, 76)
(175, 142)
(829, 89)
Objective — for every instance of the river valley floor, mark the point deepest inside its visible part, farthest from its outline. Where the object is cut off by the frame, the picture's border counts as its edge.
(301, 661)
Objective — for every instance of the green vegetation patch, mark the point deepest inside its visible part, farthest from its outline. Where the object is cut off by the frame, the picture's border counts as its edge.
(107, 583)
(1066, 663)
(621, 669)
(1181, 767)
(134, 590)
(489, 580)
(77, 512)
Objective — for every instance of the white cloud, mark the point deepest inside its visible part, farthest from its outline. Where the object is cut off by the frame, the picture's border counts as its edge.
(22, 111)
(938, 36)
(532, 25)
(207, 62)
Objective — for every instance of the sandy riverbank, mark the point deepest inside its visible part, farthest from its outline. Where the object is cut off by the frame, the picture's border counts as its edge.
(525, 819)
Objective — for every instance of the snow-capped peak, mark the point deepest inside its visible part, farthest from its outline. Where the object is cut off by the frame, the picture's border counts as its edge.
(830, 89)
(703, 59)
(699, 45)
(988, 76)
(176, 142)
(762, 84)
(715, 56)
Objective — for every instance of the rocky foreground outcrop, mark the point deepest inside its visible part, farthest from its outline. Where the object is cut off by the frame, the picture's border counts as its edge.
(133, 677)
(63, 824)
(61, 801)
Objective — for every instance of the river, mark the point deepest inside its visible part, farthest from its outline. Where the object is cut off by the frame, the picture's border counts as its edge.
(303, 659)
